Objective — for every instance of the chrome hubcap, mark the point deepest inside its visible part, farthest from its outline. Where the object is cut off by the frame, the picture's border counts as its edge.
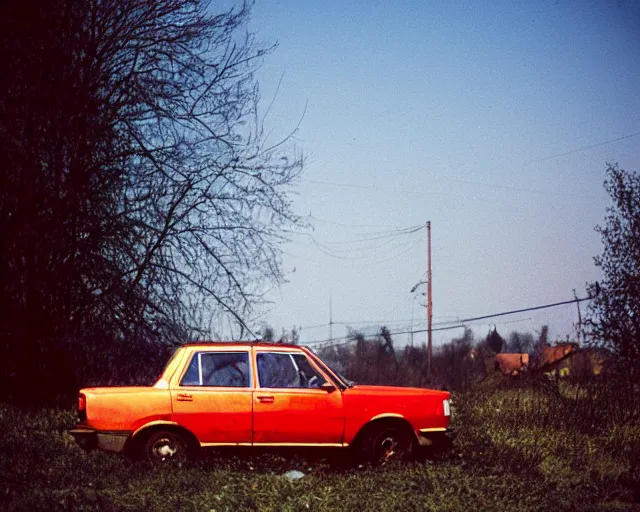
(165, 448)
(388, 448)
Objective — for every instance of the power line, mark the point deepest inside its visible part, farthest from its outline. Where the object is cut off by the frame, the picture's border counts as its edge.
(516, 189)
(495, 185)
(534, 308)
(404, 251)
(406, 321)
(386, 323)
(506, 187)
(372, 247)
(462, 323)
(343, 224)
(390, 238)
(317, 326)
(381, 235)
(347, 341)
(584, 148)
(335, 184)
(327, 252)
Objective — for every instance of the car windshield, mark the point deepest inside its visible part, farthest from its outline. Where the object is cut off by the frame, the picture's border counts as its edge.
(328, 367)
(348, 382)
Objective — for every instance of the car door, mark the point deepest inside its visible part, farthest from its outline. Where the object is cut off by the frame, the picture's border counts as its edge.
(289, 405)
(213, 398)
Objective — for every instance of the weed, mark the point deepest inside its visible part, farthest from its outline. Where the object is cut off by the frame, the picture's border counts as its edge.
(517, 448)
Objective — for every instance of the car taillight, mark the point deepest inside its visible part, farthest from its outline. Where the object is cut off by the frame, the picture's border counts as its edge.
(82, 407)
(446, 405)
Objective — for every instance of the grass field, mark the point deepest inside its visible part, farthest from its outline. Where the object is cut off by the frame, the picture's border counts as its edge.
(515, 450)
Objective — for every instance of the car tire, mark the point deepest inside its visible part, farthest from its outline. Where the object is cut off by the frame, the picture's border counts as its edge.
(384, 442)
(164, 447)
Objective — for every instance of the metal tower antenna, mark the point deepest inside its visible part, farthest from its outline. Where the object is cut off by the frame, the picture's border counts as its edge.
(330, 319)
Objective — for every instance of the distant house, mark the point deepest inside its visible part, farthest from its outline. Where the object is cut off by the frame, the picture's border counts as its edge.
(568, 360)
(511, 364)
(552, 355)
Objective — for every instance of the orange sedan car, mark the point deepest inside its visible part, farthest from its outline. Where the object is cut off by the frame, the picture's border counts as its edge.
(257, 394)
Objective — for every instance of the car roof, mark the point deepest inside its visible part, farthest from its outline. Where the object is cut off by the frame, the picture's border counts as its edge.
(255, 343)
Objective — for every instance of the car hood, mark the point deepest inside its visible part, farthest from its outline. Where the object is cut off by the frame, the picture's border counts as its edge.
(362, 389)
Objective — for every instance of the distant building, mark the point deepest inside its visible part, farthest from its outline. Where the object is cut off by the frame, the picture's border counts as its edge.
(568, 360)
(553, 355)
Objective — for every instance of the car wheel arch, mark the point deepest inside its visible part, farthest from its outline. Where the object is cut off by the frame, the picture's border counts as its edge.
(381, 420)
(138, 438)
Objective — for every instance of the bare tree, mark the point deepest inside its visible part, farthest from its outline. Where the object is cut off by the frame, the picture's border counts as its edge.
(141, 197)
(205, 204)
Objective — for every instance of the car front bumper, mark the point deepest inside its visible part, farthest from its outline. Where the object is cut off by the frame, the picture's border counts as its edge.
(436, 437)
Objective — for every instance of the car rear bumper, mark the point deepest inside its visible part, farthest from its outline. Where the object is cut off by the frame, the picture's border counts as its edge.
(89, 439)
(86, 438)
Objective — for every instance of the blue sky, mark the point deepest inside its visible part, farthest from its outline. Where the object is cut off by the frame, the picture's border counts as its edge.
(472, 116)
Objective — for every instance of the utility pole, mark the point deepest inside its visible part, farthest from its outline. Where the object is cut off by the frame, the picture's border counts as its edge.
(579, 315)
(429, 304)
(413, 303)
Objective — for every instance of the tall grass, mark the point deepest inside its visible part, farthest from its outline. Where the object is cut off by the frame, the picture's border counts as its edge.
(518, 447)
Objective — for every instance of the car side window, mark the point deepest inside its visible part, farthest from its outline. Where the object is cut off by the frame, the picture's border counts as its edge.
(276, 370)
(309, 377)
(218, 369)
(281, 370)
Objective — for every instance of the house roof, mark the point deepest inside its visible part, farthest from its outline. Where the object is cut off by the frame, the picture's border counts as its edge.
(552, 355)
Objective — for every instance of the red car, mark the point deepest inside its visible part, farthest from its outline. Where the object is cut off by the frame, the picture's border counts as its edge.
(257, 394)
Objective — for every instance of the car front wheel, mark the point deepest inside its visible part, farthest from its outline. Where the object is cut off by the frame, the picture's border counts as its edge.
(386, 442)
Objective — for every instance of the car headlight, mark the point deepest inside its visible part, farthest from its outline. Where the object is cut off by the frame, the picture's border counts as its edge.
(447, 407)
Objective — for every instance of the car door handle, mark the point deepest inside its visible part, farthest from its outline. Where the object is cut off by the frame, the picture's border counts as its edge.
(184, 397)
(264, 399)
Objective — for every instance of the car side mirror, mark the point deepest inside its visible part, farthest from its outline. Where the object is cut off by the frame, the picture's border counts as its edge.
(328, 387)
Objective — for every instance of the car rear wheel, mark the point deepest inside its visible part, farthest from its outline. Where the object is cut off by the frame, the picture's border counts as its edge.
(386, 442)
(165, 447)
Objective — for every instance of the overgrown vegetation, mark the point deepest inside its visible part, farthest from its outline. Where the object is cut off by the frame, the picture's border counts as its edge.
(458, 365)
(526, 446)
